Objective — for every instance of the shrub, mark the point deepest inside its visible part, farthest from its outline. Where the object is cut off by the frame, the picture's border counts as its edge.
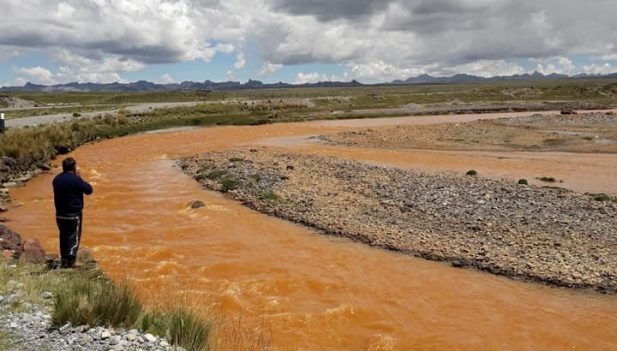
(523, 182)
(603, 197)
(76, 115)
(268, 196)
(472, 173)
(214, 175)
(228, 185)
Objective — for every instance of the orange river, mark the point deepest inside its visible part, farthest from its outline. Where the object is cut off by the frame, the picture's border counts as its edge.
(269, 283)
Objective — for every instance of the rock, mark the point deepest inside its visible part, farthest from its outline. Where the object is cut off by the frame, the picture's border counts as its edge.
(10, 240)
(149, 337)
(3, 209)
(131, 337)
(105, 335)
(33, 252)
(65, 328)
(115, 340)
(164, 343)
(43, 166)
(46, 295)
(568, 111)
(8, 254)
(196, 204)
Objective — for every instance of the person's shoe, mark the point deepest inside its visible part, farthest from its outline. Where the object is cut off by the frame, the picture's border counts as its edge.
(75, 265)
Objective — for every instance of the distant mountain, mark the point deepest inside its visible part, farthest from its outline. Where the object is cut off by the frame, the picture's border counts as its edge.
(145, 86)
(466, 78)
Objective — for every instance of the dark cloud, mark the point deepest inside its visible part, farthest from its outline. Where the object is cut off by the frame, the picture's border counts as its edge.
(326, 10)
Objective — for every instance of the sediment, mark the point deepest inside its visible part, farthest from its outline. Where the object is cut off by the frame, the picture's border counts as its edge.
(548, 235)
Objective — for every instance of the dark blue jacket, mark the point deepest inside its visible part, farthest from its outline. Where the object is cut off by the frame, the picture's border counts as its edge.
(69, 190)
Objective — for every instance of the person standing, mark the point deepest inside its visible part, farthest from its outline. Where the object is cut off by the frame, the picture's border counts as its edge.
(69, 190)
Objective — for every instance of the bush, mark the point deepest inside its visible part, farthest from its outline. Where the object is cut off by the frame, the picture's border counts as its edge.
(603, 197)
(523, 182)
(472, 173)
(228, 185)
(268, 196)
(214, 175)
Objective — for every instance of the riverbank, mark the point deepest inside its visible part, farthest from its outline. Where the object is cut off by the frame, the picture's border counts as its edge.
(45, 308)
(547, 235)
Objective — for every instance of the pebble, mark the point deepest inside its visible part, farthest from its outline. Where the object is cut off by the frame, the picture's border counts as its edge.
(33, 331)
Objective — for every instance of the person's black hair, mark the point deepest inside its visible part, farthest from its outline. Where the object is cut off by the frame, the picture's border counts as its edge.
(69, 164)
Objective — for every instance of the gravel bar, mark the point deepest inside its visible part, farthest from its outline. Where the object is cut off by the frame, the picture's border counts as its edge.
(548, 235)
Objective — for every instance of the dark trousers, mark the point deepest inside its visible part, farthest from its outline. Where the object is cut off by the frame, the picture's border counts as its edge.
(70, 237)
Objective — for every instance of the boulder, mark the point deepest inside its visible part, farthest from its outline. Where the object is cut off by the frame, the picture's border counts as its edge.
(196, 204)
(33, 252)
(10, 240)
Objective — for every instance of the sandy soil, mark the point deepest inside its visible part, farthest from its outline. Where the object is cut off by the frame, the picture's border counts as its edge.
(596, 132)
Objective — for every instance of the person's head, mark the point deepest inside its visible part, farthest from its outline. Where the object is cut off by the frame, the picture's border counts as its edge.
(69, 165)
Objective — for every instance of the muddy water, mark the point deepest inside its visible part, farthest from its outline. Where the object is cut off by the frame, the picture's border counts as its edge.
(309, 291)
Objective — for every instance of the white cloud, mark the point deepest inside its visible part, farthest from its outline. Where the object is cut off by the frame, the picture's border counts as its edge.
(559, 65)
(240, 61)
(37, 74)
(269, 68)
(595, 69)
(167, 79)
(303, 78)
(376, 39)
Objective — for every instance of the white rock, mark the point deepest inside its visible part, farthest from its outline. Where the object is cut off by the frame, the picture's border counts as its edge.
(105, 335)
(47, 295)
(164, 343)
(150, 338)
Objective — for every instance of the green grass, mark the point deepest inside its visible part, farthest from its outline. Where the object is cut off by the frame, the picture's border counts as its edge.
(603, 197)
(268, 196)
(228, 185)
(214, 175)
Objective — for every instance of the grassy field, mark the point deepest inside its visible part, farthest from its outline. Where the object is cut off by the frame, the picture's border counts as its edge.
(598, 90)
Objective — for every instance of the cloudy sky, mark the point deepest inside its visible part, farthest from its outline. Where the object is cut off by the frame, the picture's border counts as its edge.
(53, 41)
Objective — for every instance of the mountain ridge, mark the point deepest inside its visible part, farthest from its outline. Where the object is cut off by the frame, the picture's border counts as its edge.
(146, 86)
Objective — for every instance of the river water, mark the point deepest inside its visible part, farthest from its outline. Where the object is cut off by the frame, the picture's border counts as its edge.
(298, 289)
